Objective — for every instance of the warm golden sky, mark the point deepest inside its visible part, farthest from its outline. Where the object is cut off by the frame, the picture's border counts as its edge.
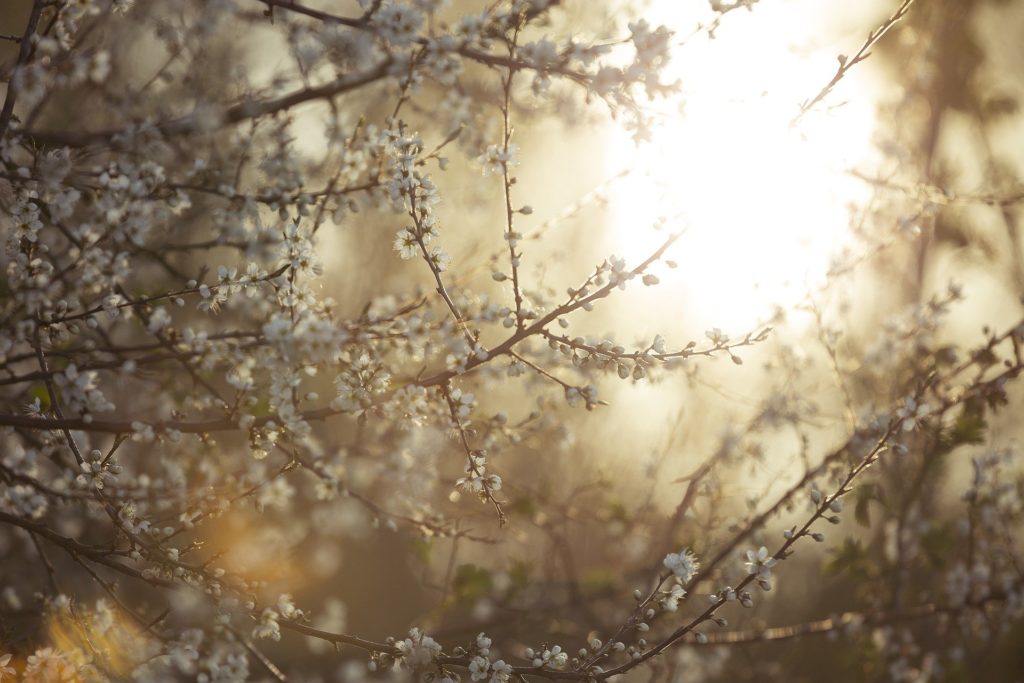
(766, 203)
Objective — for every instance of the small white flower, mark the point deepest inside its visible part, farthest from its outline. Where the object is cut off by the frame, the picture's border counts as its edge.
(497, 160)
(268, 626)
(405, 244)
(683, 564)
(670, 603)
(398, 24)
(912, 413)
(287, 608)
(478, 667)
(439, 259)
(717, 337)
(758, 562)
(158, 319)
(500, 672)
(419, 649)
(5, 670)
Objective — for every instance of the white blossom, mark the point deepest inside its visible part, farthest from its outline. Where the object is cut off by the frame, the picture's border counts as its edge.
(683, 565)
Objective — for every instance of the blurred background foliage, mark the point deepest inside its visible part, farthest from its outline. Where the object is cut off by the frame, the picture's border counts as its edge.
(591, 495)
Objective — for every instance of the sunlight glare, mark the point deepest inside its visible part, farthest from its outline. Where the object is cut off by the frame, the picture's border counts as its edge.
(766, 204)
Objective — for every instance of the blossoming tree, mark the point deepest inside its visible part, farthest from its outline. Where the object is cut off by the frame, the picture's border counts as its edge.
(269, 316)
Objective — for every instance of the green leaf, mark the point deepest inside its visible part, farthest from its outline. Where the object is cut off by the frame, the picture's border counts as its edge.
(850, 557)
(472, 582)
(519, 574)
(39, 391)
(939, 543)
(597, 580)
(864, 495)
(969, 428)
(524, 505)
(421, 550)
(617, 511)
(996, 399)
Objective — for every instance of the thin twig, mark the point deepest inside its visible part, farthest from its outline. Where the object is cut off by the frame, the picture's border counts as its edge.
(847, 63)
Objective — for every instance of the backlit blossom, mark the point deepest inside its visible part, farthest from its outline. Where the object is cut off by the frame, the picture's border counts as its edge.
(683, 564)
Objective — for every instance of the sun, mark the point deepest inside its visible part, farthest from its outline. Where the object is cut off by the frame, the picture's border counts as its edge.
(766, 204)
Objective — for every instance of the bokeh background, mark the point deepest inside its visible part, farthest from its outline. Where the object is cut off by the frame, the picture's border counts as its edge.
(833, 230)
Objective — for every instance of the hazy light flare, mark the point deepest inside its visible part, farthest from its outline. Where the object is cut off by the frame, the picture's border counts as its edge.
(766, 203)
